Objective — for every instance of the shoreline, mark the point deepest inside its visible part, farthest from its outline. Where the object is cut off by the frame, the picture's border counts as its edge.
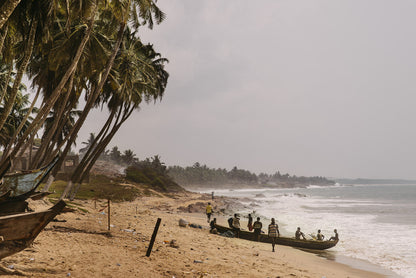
(330, 255)
(78, 244)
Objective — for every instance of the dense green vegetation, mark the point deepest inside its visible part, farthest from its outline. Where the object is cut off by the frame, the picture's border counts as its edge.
(202, 175)
(153, 172)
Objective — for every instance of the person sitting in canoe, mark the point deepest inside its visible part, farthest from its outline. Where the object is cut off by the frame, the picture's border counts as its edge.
(335, 237)
(299, 234)
(320, 236)
(257, 228)
(273, 232)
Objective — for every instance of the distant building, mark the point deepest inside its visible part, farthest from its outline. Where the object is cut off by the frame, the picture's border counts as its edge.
(22, 163)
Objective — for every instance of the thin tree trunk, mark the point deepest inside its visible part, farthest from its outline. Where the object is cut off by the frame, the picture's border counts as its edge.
(16, 133)
(3, 37)
(93, 146)
(6, 83)
(48, 184)
(92, 99)
(6, 10)
(41, 117)
(77, 180)
(8, 106)
(50, 133)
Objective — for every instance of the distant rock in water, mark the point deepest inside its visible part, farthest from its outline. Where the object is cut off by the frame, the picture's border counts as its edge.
(260, 195)
(300, 195)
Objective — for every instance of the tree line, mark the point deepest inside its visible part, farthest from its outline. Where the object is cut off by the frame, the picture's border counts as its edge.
(76, 56)
(203, 175)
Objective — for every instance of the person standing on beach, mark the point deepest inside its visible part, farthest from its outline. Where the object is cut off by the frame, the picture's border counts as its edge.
(212, 226)
(250, 223)
(273, 232)
(257, 228)
(236, 225)
(209, 212)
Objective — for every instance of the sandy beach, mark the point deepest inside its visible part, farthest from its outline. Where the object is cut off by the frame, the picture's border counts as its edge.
(79, 244)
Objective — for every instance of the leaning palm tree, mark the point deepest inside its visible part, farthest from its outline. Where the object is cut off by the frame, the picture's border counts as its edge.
(87, 144)
(47, 104)
(15, 119)
(114, 13)
(6, 9)
(141, 76)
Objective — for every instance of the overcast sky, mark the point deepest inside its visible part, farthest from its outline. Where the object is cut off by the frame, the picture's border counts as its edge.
(306, 87)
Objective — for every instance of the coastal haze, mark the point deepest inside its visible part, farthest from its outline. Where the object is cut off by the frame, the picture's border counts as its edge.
(305, 87)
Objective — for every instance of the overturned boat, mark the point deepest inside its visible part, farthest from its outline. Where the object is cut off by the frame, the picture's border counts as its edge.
(18, 231)
(288, 241)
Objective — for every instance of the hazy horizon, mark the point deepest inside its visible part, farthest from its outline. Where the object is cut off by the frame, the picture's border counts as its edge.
(309, 88)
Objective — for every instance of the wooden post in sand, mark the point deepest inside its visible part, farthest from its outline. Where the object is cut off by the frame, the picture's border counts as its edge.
(152, 240)
(108, 204)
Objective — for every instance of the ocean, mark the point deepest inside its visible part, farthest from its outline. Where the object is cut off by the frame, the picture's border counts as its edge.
(376, 223)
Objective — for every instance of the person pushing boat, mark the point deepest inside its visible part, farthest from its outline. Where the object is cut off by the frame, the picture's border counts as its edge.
(257, 228)
(236, 225)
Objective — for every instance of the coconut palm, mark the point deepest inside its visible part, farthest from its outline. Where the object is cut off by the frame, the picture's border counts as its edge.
(6, 9)
(86, 29)
(141, 76)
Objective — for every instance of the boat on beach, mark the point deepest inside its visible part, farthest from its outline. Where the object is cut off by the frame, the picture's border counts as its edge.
(23, 182)
(18, 231)
(18, 187)
(288, 241)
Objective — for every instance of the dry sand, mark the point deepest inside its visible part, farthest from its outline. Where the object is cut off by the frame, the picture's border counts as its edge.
(82, 247)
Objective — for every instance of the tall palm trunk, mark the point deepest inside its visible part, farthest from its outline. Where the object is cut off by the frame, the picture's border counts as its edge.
(8, 106)
(93, 97)
(76, 180)
(42, 114)
(6, 10)
(50, 133)
(3, 37)
(7, 80)
(16, 133)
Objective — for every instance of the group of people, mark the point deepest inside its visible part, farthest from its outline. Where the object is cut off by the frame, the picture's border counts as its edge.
(256, 226)
(273, 228)
(319, 235)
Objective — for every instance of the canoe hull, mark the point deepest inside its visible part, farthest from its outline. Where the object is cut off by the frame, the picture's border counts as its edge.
(18, 231)
(298, 243)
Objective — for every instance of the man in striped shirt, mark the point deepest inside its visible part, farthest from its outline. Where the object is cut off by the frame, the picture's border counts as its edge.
(273, 232)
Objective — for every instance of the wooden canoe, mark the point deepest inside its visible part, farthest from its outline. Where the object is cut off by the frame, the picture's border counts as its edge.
(299, 243)
(18, 187)
(24, 183)
(18, 231)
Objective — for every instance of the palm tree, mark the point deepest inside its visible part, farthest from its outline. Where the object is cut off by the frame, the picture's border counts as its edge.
(86, 29)
(15, 119)
(88, 144)
(141, 75)
(129, 157)
(6, 10)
